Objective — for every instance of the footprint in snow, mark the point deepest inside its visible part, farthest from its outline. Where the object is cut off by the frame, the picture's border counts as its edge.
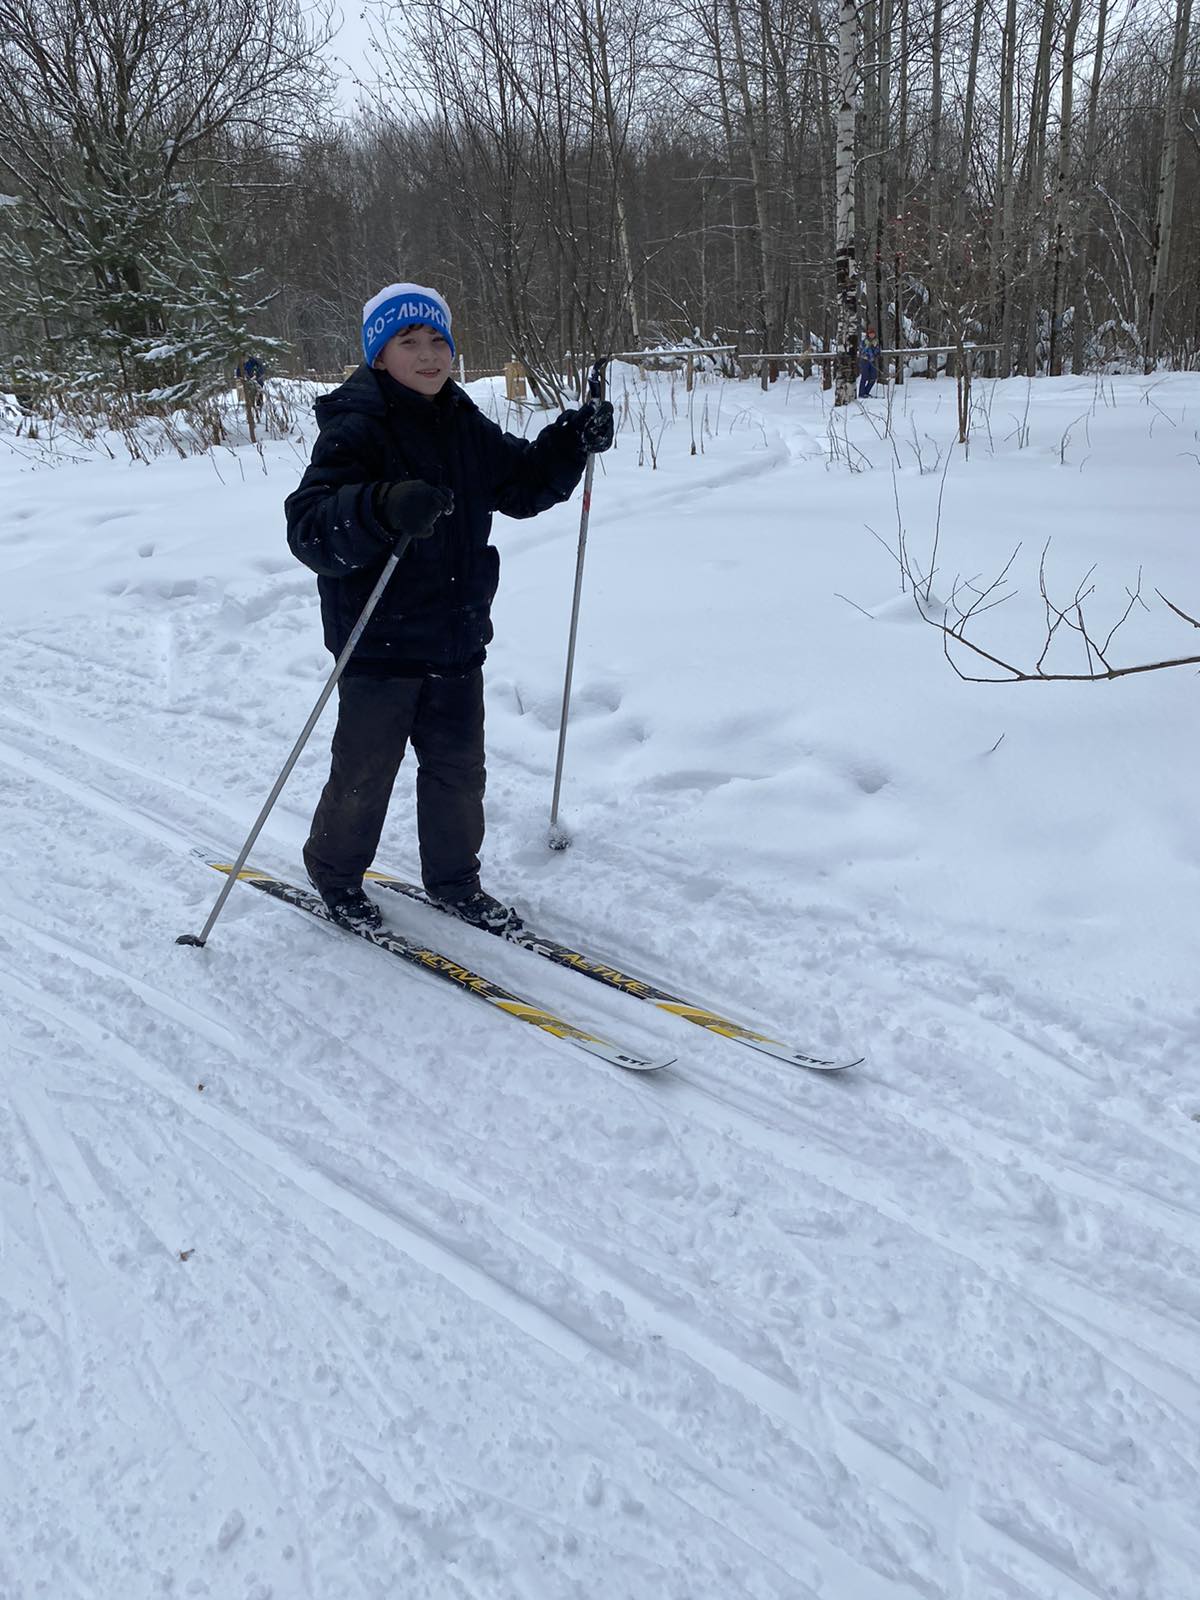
(99, 518)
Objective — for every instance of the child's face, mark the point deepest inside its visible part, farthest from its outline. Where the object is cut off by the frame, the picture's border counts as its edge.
(418, 357)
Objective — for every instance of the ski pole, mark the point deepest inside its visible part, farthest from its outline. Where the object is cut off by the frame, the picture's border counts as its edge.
(559, 838)
(201, 938)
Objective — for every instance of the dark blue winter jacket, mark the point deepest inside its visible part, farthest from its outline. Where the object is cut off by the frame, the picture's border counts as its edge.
(435, 614)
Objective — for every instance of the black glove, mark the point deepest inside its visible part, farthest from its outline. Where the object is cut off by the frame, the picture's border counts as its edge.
(593, 425)
(411, 507)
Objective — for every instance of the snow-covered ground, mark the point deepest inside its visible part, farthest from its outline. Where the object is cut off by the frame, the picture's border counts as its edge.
(321, 1282)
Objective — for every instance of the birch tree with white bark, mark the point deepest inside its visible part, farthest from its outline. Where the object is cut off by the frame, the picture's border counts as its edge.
(849, 80)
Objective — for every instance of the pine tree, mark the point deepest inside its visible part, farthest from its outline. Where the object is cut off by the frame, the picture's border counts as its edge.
(116, 273)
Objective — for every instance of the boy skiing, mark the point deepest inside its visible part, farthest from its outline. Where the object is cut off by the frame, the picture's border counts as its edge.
(403, 452)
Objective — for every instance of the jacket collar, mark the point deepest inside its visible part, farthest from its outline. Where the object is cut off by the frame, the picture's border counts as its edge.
(375, 392)
(418, 408)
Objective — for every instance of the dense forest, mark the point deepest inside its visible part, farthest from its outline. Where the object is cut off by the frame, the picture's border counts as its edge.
(588, 175)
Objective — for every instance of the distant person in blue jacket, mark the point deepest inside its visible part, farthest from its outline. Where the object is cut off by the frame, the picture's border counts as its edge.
(868, 364)
(251, 374)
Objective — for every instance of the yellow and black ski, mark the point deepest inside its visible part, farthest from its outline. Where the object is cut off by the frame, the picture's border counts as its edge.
(603, 972)
(441, 966)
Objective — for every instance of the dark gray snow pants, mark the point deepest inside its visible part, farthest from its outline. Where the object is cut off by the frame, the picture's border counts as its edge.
(377, 717)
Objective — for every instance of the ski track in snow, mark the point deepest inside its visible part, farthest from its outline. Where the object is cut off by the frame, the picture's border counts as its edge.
(318, 1280)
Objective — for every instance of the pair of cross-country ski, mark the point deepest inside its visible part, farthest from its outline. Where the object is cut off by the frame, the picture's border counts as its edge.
(430, 960)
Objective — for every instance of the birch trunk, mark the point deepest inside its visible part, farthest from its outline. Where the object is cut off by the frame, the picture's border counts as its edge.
(899, 171)
(885, 161)
(869, 168)
(846, 264)
(936, 250)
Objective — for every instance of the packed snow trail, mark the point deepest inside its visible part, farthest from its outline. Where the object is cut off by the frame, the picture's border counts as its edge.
(314, 1281)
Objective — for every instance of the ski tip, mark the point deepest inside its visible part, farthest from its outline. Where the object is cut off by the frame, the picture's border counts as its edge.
(658, 1064)
(631, 1063)
(791, 1057)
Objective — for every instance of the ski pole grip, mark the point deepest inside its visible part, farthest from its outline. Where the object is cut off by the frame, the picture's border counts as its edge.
(595, 386)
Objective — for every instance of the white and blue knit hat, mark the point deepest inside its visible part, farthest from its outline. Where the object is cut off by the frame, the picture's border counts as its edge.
(399, 306)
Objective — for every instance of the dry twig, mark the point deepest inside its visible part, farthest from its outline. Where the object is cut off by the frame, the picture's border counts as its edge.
(968, 602)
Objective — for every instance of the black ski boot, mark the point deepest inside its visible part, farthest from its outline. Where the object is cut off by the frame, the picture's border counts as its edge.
(350, 908)
(484, 911)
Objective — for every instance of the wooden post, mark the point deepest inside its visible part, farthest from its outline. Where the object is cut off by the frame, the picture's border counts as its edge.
(514, 380)
(691, 373)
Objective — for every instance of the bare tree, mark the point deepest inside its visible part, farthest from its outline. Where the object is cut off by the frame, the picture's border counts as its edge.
(958, 621)
(1004, 189)
(611, 109)
(634, 170)
(1160, 250)
(1062, 191)
(529, 106)
(116, 120)
(1033, 178)
(1087, 168)
(845, 182)
(759, 178)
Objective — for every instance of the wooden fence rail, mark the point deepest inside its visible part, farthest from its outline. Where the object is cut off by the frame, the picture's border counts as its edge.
(726, 354)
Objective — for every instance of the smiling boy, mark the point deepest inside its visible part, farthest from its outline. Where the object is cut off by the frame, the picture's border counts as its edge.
(403, 452)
